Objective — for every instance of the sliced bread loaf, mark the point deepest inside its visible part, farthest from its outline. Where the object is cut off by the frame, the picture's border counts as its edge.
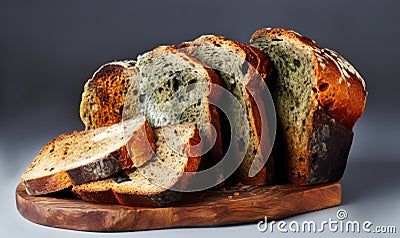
(83, 156)
(318, 97)
(242, 70)
(176, 88)
(153, 184)
(104, 94)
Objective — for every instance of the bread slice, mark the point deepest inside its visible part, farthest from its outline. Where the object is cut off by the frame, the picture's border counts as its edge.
(318, 97)
(242, 70)
(104, 94)
(141, 187)
(166, 93)
(83, 156)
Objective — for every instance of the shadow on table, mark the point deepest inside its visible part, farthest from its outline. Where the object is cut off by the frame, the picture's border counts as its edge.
(370, 179)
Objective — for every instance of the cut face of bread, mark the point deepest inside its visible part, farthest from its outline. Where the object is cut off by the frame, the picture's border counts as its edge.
(318, 97)
(176, 88)
(83, 156)
(104, 94)
(152, 184)
(242, 70)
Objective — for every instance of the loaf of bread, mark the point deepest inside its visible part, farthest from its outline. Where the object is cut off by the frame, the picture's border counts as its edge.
(318, 97)
(159, 181)
(84, 156)
(242, 70)
(104, 94)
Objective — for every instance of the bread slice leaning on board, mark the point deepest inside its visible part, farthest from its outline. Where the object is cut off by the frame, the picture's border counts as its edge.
(83, 156)
(242, 70)
(137, 187)
(318, 97)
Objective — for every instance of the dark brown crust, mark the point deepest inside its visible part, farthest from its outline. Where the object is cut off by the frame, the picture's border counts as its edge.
(96, 170)
(339, 98)
(330, 146)
(106, 91)
(260, 66)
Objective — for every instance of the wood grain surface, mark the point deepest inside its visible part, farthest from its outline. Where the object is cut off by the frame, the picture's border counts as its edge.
(209, 208)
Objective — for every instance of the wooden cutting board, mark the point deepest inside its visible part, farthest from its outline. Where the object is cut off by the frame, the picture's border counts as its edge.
(209, 208)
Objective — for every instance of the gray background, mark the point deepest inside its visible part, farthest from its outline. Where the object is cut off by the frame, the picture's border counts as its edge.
(48, 49)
